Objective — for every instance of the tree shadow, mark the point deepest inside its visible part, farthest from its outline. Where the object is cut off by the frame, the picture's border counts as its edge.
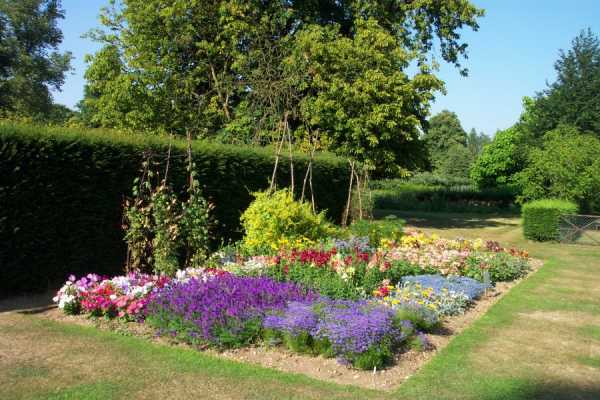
(546, 391)
(28, 304)
(440, 220)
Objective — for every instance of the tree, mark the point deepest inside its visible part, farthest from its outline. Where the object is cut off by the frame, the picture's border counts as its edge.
(573, 98)
(566, 166)
(443, 132)
(199, 65)
(501, 159)
(30, 65)
(476, 142)
(456, 162)
(358, 93)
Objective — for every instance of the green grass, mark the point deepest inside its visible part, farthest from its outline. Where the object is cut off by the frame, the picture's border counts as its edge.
(540, 341)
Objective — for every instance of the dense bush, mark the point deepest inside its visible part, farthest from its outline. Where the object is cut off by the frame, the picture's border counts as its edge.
(501, 159)
(541, 218)
(566, 166)
(62, 192)
(275, 220)
(395, 195)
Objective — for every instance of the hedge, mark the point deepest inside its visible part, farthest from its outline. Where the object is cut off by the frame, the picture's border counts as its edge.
(541, 218)
(62, 191)
(397, 195)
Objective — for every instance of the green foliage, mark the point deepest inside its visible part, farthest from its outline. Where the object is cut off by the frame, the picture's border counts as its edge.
(376, 357)
(425, 178)
(501, 159)
(62, 190)
(400, 195)
(456, 162)
(541, 218)
(389, 228)
(276, 220)
(30, 64)
(566, 166)
(444, 131)
(166, 240)
(573, 98)
(324, 280)
(501, 267)
(476, 142)
(359, 106)
(236, 70)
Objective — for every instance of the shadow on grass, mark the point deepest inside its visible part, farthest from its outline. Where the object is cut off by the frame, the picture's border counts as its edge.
(441, 220)
(546, 391)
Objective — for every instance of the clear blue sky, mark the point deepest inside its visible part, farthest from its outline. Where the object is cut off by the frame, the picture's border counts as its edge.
(511, 56)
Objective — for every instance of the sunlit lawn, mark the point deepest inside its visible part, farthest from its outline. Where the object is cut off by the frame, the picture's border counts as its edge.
(542, 340)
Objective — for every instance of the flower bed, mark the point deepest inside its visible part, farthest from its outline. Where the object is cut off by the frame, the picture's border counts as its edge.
(344, 269)
(345, 299)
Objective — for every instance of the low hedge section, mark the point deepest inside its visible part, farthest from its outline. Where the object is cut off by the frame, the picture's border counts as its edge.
(62, 192)
(397, 195)
(541, 218)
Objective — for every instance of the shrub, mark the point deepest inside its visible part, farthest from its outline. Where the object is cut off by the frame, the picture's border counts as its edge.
(275, 220)
(566, 166)
(541, 218)
(62, 191)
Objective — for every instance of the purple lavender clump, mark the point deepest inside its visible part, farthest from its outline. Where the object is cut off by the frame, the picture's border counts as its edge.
(197, 309)
(297, 318)
(353, 327)
(472, 288)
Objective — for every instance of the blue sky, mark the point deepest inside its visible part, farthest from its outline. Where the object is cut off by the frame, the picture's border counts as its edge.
(511, 56)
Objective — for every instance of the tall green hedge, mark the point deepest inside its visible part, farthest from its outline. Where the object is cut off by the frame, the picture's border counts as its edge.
(62, 191)
(541, 218)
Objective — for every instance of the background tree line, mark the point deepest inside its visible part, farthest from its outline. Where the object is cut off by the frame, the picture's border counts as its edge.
(329, 75)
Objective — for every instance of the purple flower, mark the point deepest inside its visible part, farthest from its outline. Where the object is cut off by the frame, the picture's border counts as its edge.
(225, 302)
(352, 327)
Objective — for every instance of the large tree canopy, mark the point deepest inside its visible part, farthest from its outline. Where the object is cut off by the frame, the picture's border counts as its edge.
(333, 68)
(30, 65)
(573, 98)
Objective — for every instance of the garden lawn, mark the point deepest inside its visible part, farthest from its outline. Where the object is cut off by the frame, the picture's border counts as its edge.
(542, 340)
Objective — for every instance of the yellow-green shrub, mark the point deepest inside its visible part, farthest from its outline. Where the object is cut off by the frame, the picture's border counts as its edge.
(275, 220)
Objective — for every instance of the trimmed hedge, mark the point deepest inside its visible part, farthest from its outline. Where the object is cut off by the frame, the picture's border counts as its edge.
(398, 195)
(541, 218)
(62, 191)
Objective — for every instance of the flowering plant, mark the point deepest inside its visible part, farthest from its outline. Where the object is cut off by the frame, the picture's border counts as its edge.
(221, 311)
(361, 333)
(122, 296)
(429, 303)
(69, 295)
